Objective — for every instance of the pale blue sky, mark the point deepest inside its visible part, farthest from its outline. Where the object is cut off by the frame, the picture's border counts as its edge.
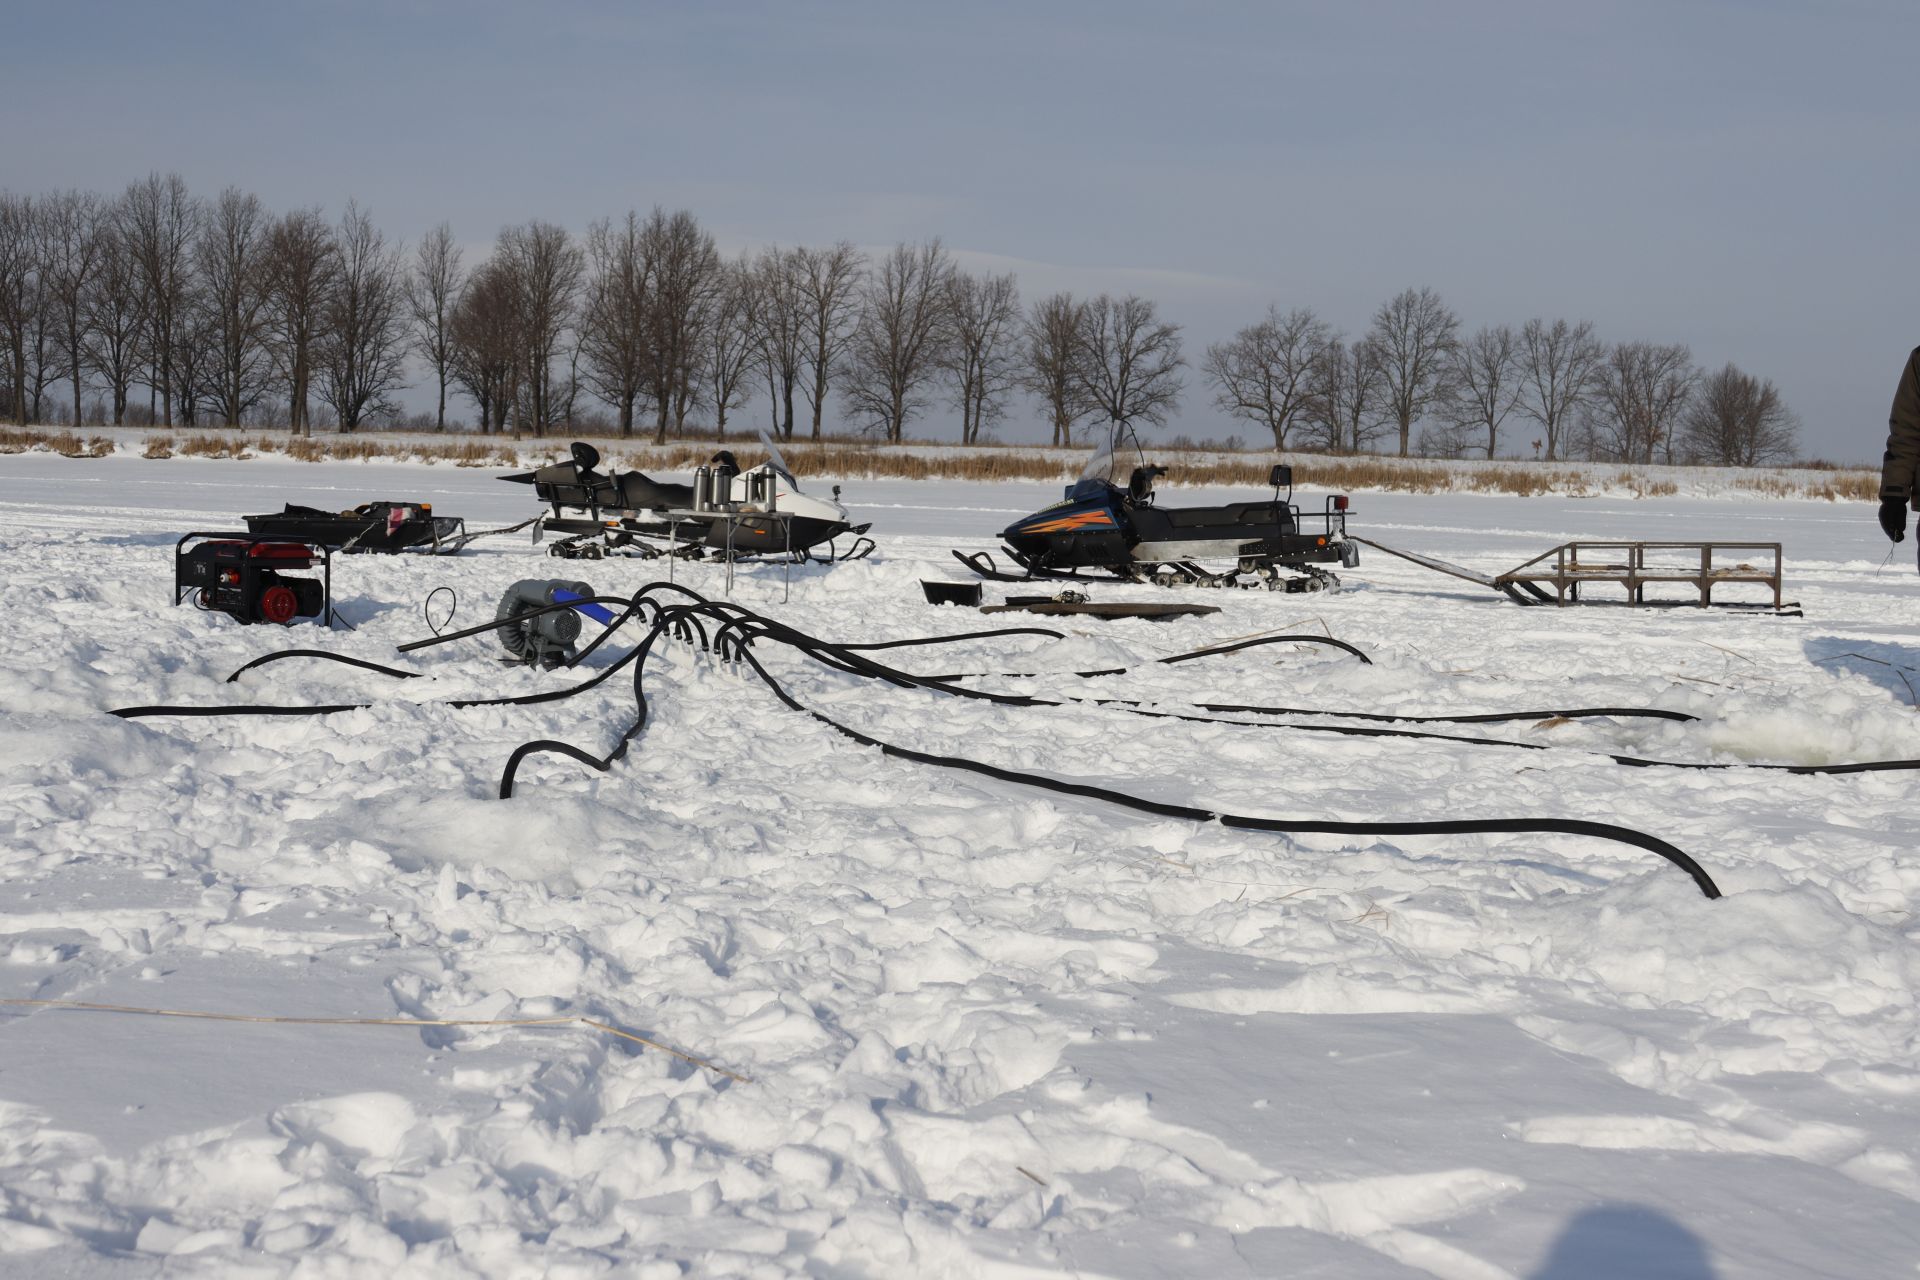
(1744, 177)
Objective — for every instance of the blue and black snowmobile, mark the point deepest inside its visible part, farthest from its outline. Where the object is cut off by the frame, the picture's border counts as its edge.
(1109, 522)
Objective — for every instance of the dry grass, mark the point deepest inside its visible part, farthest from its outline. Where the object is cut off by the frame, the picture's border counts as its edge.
(1644, 486)
(65, 443)
(1834, 486)
(214, 446)
(461, 453)
(855, 457)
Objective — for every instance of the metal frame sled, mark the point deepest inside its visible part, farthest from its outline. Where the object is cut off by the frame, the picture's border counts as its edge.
(1628, 564)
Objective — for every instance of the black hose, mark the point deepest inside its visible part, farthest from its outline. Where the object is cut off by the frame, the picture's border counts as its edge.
(779, 632)
(362, 663)
(1284, 826)
(1178, 657)
(453, 606)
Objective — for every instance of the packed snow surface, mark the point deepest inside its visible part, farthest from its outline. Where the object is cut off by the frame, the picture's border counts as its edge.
(985, 1030)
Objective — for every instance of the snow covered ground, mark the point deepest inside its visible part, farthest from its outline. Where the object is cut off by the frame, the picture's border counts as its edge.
(989, 1031)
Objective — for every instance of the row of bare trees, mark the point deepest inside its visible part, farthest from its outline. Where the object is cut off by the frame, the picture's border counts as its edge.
(224, 313)
(216, 308)
(1292, 375)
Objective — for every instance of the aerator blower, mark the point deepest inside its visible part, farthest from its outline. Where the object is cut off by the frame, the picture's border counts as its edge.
(248, 577)
(544, 638)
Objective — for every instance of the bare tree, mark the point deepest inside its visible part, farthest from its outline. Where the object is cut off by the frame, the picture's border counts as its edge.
(615, 317)
(1414, 333)
(487, 343)
(729, 348)
(683, 268)
(116, 322)
(896, 346)
(981, 355)
(545, 268)
(1347, 399)
(1640, 392)
(1738, 420)
(1264, 374)
(70, 252)
(1558, 363)
(363, 342)
(196, 358)
(1483, 384)
(777, 312)
(43, 341)
(1053, 348)
(162, 220)
(19, 293)
(1130, 360)
(432, 289)
(304, 268)
(828, 281)
(233, 256)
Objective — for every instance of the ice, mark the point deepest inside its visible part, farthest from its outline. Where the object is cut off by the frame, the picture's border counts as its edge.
(988, 1031)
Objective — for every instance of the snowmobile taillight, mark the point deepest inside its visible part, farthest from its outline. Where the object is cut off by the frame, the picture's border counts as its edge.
(1339, 502)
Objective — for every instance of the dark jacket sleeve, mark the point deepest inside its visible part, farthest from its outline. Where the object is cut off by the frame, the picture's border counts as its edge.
(1900, 477)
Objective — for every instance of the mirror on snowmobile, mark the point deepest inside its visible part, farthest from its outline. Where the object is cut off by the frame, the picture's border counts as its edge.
(1140, 484)
(585, 456)
(1281, 477)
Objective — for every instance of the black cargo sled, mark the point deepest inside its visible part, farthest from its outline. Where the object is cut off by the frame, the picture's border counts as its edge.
(371, 526)
(726, 511)
(1107, 525)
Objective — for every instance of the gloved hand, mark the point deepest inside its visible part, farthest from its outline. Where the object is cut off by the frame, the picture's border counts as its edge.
(1893, 518)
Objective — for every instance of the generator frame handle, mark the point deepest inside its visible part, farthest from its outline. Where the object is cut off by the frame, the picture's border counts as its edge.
(253, 540)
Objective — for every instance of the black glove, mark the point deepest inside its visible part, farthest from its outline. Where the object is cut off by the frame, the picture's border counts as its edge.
(1893, 518)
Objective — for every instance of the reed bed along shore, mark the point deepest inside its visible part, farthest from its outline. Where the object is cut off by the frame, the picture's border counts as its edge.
(854, 458)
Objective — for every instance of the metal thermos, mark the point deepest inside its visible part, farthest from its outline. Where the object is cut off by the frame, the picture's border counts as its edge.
(703, 488)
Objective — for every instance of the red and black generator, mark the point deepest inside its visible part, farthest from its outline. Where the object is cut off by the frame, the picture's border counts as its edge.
(249, 576)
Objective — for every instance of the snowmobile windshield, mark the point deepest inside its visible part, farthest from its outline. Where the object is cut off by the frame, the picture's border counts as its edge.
(776, 462)
(1114, 458)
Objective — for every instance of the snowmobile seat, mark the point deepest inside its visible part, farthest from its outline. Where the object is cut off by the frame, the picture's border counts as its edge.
(1236, 513)
(640, 492)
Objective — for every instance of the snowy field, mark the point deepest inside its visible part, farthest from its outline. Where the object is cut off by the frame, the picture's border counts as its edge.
(986, 1031)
